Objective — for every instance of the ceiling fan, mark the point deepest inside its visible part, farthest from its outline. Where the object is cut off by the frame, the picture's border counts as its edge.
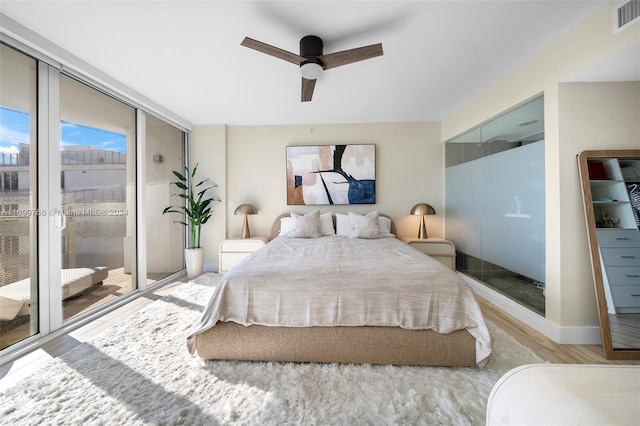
(312, 61)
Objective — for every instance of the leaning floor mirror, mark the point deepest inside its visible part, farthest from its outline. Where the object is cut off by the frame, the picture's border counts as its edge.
(610, 182)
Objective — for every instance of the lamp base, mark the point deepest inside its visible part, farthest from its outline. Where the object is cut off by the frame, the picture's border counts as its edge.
(245, 228)
(422, 234)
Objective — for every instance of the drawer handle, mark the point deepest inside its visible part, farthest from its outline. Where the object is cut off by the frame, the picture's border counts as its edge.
(627, 257)
(622, 238)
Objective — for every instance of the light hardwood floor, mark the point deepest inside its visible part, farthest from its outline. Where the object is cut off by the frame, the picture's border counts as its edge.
(541, 345)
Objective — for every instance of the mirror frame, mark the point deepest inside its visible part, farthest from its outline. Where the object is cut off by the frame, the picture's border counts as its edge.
(610, 352)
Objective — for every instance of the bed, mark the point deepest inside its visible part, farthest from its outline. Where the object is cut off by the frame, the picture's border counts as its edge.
(15, 298)
(345, 297)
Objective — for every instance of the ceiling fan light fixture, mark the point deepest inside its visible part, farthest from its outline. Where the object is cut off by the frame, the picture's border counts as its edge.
(311, 70)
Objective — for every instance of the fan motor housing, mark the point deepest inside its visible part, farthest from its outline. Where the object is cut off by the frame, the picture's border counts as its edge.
(311, 48)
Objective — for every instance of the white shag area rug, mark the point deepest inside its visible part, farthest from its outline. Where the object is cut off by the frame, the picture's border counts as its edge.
(139, 372)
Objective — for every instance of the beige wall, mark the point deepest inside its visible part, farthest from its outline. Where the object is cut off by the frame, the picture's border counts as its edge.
(207, 148)
(591, 116)
(569, 295)
(409, 170)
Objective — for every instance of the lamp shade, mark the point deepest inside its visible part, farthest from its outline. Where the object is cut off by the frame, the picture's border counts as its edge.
(245, 209)
(422, 209)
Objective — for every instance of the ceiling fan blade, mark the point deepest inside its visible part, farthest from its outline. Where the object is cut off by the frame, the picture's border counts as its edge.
(307, 89)
(272, 50)
(332, 60)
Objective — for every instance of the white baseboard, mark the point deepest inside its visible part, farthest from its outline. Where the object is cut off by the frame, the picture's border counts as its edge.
(562, 335)
(580, 336)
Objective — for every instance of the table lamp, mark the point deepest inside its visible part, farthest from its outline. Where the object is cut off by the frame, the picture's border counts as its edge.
(421, 210)
(245, 209)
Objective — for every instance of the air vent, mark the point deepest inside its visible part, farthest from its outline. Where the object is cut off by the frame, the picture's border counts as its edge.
(626, 15)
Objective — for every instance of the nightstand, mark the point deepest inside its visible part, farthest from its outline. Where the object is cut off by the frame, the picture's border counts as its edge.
(440, 249)
(234, 250)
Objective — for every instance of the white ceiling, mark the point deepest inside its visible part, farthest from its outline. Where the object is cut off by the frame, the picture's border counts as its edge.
(186, 55)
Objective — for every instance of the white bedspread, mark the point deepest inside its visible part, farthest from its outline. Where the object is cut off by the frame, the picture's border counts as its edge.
(341, 281)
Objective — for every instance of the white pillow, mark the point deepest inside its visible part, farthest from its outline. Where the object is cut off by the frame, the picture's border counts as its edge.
(286, 225)
(345, 228)
(307, 226)
(343, 225)
(385, 226)
(326, 224)
(365, 226)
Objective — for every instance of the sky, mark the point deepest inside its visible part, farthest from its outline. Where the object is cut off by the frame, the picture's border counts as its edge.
(14, 129)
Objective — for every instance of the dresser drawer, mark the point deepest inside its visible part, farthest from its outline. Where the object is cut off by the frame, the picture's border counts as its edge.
(618, 237)
(234, 250)
(441, 250)
(242, 246)
(434, 248)
(621, 256)
(228, 260)
(623, 275)
(626, 296)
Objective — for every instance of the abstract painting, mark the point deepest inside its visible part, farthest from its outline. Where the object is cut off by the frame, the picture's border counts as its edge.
(331, 174)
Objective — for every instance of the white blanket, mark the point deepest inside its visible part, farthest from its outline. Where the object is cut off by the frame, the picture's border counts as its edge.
(341, 281)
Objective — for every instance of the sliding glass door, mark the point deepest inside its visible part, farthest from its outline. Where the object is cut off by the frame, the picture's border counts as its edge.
(97, 191)
(164, 151)
(18, 213)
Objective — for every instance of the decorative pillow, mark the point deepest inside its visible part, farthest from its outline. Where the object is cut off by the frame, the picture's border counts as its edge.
(326, 224)
(385, 226)
(343, 225)
(307, 226)
(365, 226)
(286, 225)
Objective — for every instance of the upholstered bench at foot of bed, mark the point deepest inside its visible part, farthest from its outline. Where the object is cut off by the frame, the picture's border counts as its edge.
(368, 345)
(569, 394)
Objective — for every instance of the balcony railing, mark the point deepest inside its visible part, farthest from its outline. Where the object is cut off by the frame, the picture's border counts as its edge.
(69, 158)
(9, 159)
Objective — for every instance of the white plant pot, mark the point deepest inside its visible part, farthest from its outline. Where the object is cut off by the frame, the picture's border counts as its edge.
(194, 259)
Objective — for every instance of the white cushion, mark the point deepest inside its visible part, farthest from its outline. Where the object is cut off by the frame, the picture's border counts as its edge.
(571, 394)
(307, 226)
(385, 226)
(287, 225)
(326, 224)
(365, 226)
(9, 308)
(343, 225)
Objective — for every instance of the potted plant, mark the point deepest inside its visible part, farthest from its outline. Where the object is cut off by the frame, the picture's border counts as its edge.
(196, 211)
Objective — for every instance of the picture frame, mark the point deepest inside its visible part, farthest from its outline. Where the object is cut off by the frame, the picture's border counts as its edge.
(331, 174)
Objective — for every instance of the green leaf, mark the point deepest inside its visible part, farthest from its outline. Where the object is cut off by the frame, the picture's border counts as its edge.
(180, 185)
(179, 176)
(201, 182)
